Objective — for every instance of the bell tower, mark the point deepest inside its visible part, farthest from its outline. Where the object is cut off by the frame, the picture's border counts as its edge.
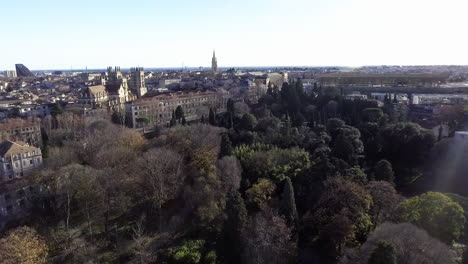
(214, 63)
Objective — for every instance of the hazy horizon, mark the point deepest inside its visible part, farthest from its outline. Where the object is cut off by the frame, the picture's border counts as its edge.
(54, 34)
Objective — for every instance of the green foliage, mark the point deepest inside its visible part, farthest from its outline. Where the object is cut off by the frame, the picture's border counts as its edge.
(56, 109)
(260, 194)
(212, 117)
(384, 253)
(355, 174)
(334, 125)
(348, 145)
(143, 120)
(436, 213)
(406, 145)
(248, 122)
(235, 222)
(211, 257)
(117, 118)
(372, 114)
(265, 161)
(463, 202)
(206, 192)
(226, 146)
(342, 214)
(179, 112)
(384, 171)
(188, 253)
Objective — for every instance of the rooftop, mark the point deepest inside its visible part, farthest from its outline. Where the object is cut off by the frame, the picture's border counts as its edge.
(9, 148)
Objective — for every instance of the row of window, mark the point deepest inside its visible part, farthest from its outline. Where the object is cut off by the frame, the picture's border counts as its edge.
(17, 130)
(203, 99)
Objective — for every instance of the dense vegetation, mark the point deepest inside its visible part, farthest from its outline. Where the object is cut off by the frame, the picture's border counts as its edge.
(295, 178)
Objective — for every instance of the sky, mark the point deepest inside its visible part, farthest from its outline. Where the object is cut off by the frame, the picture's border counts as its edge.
(58, 34)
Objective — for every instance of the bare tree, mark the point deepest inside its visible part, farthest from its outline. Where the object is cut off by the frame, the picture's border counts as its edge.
(385, 199)
(230, 171)
(141, 242)
(412, 246)
(161, 175)
(268, 239)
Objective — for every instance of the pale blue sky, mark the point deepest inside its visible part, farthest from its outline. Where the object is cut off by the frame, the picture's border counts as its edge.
(53, 34)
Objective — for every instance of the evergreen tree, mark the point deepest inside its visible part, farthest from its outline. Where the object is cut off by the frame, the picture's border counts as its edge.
(395, 100)
(56, 109)
(116, 118)
(179, 113)
(230, 106)
(384, 253)
(288, 202)
(248, 122)
(384, 171)
(299, 88)
(315, 89)
(226, 146)
(173, 121)
(284, 94)
(236, 220)
(212, 117)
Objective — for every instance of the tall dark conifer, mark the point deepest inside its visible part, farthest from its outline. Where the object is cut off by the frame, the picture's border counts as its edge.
(288, 202)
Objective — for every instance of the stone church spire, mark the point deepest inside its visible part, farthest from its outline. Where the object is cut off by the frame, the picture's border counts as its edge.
(214, 63)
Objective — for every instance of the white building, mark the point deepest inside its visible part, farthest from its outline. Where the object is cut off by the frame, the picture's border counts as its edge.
(10, 74)
(18, 159)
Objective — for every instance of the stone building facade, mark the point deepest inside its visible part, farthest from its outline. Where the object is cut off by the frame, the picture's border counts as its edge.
(18, 159)
(157, 110)
(16, 129)
(112, 93)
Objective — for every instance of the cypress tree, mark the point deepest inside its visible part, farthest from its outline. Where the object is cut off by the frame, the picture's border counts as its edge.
(179, 113)
(212, 118)
(230, 106)
(173, 121)
(288, 202)
(226, 146)
(236, 220)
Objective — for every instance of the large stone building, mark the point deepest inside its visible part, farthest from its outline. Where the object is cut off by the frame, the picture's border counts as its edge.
(358, 79)
(17, 129)
(18, 159)
(157, 110)
(112, 93)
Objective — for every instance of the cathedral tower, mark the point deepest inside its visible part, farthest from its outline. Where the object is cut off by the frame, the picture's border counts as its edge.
(214, 63)
(137, 81)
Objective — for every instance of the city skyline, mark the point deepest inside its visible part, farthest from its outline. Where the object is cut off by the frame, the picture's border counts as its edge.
(57, 35)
